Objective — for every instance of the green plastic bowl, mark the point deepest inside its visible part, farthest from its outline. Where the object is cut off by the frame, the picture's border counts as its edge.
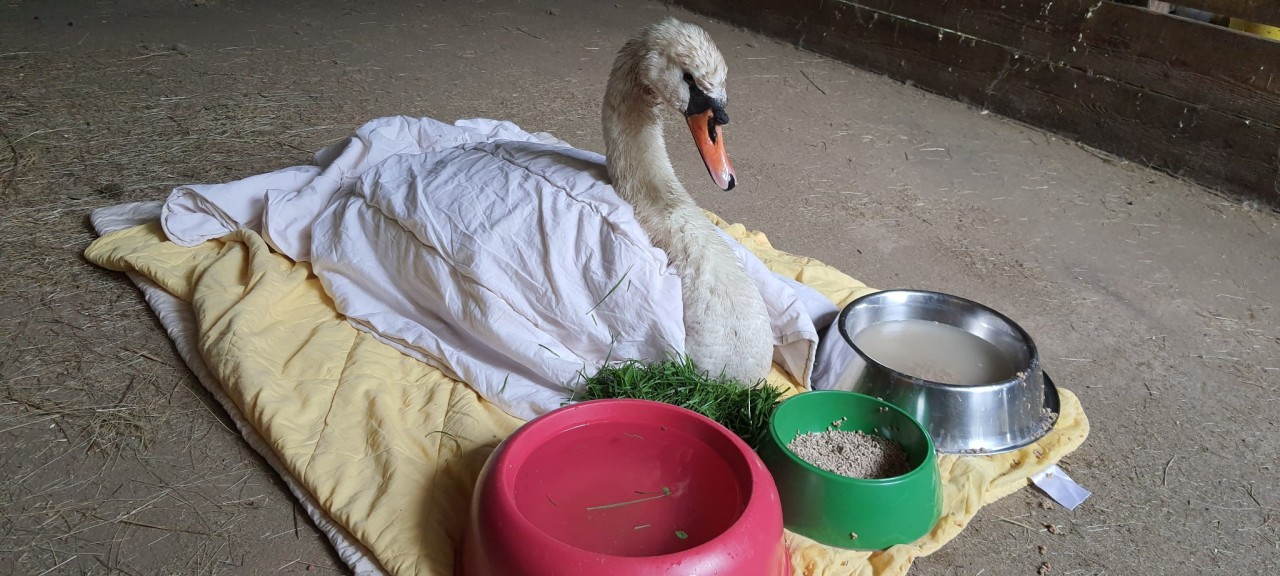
(845, 512)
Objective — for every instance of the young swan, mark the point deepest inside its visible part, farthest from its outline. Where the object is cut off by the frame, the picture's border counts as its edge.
(676, 65)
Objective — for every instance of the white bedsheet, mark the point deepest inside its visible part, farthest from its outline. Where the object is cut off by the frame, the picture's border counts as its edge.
(502, 257)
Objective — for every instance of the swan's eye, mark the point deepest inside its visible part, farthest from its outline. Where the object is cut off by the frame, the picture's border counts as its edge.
(688, 78)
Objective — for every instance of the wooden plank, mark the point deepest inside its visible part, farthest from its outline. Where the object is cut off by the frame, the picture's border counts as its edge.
(1261, 11)
(1047, 29)
(945, 63)
(1213, 147)
(1217, 148)
(1199, 63)
(1206, 145)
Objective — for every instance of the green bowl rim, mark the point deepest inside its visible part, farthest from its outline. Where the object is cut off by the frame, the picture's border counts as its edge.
(930, 455)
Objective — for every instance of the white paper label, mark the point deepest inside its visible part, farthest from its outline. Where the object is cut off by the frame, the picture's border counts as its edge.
(1058, 485)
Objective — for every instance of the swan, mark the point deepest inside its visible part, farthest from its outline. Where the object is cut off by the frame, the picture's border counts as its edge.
(492, 253)
(458, 243)
(675, 65)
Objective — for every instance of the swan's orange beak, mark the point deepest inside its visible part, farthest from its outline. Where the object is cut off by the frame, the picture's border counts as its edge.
(710, 141)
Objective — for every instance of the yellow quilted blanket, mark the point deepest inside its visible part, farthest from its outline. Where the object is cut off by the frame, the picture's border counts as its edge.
(391, 447)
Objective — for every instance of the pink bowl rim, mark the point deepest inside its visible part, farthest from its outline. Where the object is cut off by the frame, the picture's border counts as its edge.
(563, 419)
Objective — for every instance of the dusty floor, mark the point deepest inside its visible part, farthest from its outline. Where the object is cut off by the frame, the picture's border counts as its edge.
(1152, 299)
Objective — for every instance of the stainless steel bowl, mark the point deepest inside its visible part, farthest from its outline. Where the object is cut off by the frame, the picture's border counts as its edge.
(982, 419)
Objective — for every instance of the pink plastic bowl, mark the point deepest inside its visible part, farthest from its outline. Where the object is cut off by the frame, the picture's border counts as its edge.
(624, 488)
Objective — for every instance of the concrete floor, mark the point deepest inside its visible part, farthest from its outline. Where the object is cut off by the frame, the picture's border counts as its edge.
(1152, 299)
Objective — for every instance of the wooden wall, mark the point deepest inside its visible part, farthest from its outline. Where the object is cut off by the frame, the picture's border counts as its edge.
(1186, 97)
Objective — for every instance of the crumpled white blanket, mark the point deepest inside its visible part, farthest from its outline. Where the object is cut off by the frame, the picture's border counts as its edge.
(502, 257)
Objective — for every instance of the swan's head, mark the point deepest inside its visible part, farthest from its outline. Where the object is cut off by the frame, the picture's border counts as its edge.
(681, 68)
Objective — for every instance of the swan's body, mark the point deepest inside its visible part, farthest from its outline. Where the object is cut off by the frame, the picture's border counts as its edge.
(512, 249)
(676, 64)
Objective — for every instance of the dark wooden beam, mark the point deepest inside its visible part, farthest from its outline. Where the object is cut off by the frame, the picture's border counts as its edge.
(1194, 61)
(1199, 63)
(1155, 89)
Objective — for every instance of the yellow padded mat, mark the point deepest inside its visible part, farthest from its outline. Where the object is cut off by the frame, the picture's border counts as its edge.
(391, 447)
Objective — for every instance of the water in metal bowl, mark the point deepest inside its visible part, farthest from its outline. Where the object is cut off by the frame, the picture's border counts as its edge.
(969, 374)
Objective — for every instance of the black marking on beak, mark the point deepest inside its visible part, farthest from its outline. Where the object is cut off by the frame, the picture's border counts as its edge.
(722, 117)
(699, 102)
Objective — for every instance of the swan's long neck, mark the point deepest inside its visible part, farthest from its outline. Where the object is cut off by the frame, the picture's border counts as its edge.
(639, 166)
(726, 322)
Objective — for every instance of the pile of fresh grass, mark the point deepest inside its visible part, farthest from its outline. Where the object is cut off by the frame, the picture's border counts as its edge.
(744, 410)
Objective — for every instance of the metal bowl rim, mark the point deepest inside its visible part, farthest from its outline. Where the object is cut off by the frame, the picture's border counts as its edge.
(1034, 364)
